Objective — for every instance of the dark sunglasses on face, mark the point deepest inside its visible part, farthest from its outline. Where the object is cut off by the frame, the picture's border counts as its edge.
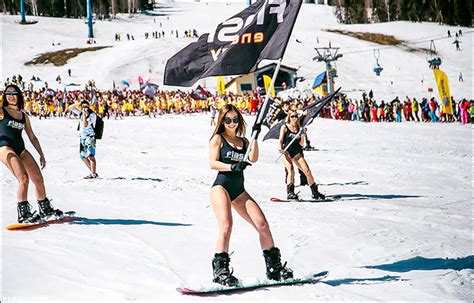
(294, 116)
(11, 93)
(229, 120)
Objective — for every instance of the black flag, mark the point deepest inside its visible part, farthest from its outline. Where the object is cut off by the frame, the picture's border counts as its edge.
(270, 113)
(312, 112)
(237, 45)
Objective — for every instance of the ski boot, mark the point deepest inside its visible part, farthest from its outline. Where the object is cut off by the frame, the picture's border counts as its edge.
(290, 192)
(25, 215)
(315, 194)
(222, 274)
(46, 210)
(275, 270)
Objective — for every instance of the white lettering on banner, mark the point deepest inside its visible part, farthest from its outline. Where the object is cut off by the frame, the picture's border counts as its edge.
(278, 10)
(228, 33)
(230, 28)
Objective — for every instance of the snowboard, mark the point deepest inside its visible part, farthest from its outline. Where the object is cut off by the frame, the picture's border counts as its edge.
(328, 199)
(68, 217)
(220, 289)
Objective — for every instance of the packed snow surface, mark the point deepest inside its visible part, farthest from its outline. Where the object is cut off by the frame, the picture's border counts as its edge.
(402, 230)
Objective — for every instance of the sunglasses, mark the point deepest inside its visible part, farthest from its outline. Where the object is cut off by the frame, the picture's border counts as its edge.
(11, 93)
(294, 116)
(229, 120)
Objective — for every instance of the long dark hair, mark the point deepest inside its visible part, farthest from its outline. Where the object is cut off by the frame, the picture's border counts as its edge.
(220, 128)
(20, 103)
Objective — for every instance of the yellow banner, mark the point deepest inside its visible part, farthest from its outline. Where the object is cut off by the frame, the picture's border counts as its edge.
(443, 86)
(220, 84)
(267, 81)
(321, 89)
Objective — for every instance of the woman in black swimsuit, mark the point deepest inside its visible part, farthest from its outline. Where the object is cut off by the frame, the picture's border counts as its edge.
(18, 160)
(294, 154)
(226, 154)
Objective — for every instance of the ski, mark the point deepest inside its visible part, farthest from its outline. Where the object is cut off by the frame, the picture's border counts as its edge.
(328, 199)
(67, 217)
(220, 289)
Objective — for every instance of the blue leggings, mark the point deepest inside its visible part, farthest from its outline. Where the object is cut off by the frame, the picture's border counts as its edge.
(432, 116)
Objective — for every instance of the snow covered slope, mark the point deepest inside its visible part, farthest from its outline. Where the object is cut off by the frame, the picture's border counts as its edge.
(147, 226)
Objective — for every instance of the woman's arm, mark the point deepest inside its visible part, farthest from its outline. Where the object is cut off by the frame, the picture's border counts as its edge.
(282, 136)
(253, 156)
(214, 146)
(73, 108)
(34, 140)
(302, 137)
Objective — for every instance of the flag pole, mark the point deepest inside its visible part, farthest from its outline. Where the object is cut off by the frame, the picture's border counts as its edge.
(262, 110)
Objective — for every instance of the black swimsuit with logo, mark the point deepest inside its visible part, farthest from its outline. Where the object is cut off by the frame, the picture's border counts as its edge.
(233, 182)
(295, 147)
(10, 132)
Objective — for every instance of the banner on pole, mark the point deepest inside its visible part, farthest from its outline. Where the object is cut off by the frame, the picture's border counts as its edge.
(443, 87)
(237, 45)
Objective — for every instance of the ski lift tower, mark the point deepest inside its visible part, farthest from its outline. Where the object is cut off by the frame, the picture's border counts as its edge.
(89, 19)
(22, 11)
(328, 55)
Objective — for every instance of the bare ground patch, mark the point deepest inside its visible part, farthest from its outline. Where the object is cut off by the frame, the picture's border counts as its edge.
(59, 58)
(380, 39)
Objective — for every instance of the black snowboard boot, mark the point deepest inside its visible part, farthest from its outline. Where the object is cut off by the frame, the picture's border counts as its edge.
(290, 192)
(315, 194)
(275, 270)
(47, 210)
(24, 213)
(222, 274)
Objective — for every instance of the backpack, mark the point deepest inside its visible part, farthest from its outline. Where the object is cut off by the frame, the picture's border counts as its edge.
(99, 126)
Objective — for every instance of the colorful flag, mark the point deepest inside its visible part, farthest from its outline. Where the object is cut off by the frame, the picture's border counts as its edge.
(443, 86)
(267, 81)
(220, 85)
(200, 93)
(150, 89)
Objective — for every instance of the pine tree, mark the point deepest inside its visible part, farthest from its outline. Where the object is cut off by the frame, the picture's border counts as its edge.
(464, 12)
(380, 10)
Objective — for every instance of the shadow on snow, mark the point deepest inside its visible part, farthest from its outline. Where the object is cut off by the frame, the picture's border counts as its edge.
(98, 221)
(362, 281)
(421, 263)
(375, 197)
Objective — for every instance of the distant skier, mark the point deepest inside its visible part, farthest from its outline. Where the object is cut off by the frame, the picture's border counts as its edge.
(213, 109)
(449, 33)
(461, 79)
(456, 42)
(226, 154)
(19, 160)
(294, 155)
(432, 106)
